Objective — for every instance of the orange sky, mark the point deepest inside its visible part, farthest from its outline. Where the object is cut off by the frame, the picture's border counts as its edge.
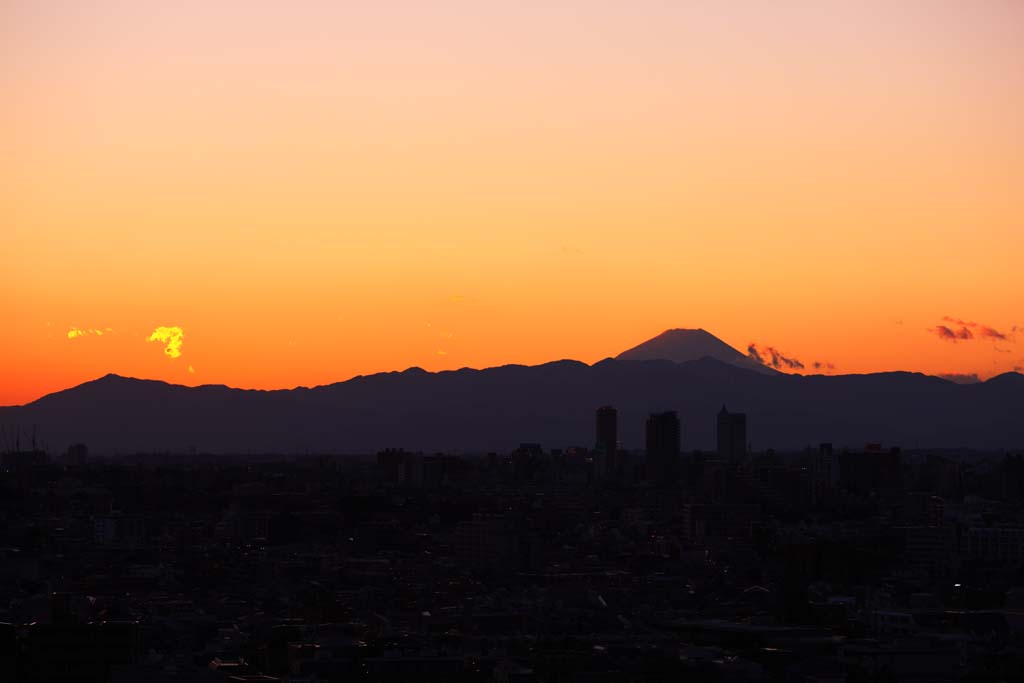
(312, 190)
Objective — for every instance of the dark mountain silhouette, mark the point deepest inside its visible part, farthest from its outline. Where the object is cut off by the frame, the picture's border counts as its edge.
(682, 345)
(553, 403)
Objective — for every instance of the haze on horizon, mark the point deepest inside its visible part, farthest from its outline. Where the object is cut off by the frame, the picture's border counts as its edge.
(280, 194)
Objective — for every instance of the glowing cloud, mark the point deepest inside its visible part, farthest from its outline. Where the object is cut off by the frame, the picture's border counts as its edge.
(75, 332)
(172, 336)
(191, 370)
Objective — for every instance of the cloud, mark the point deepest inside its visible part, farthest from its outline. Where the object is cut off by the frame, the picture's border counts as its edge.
(960, 377)
(778, 358)
(990, 333)
(948, 334)
(772, 357)
(753, 353)
(823, 365)
(191, 370)
(172, 336)
(75, 332)
(983, 331)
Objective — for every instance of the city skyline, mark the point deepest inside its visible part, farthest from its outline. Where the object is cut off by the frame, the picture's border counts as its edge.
(494, 342)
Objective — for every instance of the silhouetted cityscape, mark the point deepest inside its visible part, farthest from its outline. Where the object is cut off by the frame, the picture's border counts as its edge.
(544, 563)
(453, 341)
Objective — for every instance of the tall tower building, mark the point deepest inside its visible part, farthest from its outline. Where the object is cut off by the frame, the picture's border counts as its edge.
(606, 444)
(732, 435)
(824, 472)
(663, 445)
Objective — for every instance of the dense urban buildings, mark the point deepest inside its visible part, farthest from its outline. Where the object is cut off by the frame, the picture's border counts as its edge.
(828, 564)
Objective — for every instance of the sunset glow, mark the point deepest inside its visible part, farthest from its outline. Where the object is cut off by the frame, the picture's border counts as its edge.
(314, 190)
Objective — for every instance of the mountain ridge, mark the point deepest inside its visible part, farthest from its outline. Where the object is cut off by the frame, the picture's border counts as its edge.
(494, 409)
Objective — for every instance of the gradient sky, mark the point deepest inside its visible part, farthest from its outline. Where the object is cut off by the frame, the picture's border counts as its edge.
(313, 190)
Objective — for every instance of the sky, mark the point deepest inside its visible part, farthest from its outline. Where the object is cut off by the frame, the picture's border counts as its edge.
(274, 194)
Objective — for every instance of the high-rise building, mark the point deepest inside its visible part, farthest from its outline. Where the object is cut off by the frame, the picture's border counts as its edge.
(732, 435)
(824, 473)
(606, 446)
(663, 445)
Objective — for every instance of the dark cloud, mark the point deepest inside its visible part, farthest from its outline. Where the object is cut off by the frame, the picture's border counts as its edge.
(753, 353)
(779, 359)
(961, 378)
(949, 334)
(823, 365)
(772, 357)
(990, 333)
(983, 331)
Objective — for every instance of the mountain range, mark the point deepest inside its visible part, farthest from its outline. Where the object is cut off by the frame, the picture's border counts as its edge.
(495, 409)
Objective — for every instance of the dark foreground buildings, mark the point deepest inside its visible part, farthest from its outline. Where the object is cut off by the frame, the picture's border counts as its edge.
(732, 435)
(606, 442)
(831, 564)
(663, 446)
